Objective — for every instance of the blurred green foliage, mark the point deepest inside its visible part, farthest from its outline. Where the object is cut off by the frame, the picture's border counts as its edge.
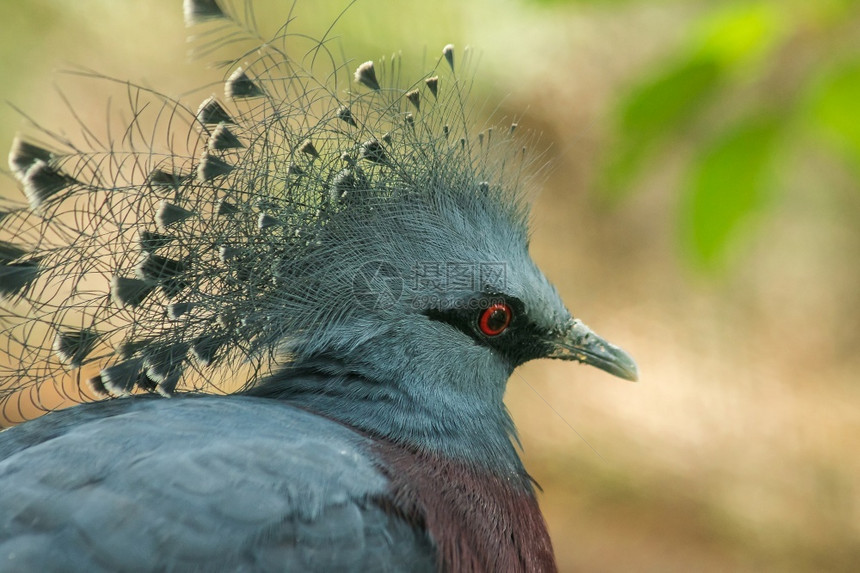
(729, 180)
(836, 108)
(751, 81)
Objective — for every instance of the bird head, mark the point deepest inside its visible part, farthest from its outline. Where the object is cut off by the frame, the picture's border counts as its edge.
(436, 277)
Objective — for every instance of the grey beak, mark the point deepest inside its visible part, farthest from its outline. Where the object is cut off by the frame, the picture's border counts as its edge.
(581, 344)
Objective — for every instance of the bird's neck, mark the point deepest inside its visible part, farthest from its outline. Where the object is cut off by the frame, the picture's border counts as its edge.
(412, 414)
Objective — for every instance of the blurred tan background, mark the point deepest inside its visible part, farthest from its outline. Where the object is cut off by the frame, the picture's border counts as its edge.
(702, 210)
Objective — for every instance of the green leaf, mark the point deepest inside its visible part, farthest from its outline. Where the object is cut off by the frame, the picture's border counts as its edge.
(656, 109)
(836, 108)
(743, 33)
(728, 183)
(669, 98)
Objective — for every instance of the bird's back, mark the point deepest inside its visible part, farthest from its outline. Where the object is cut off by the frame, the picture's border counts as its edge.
(147, 484)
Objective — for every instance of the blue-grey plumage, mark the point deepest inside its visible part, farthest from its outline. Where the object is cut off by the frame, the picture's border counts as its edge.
(353, 263)
(152, 485)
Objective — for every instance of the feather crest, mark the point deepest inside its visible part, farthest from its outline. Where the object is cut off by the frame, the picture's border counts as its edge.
(184, 254)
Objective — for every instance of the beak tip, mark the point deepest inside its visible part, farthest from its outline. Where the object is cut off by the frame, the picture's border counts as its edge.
(632, 374)
(627, 366)
(622, 365)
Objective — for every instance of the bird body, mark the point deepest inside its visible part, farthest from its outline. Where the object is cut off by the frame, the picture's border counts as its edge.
(330, 287)
(283, 485)
(148, 484)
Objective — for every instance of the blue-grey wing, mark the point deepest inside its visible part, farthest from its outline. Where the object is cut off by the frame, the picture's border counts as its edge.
(208, 483)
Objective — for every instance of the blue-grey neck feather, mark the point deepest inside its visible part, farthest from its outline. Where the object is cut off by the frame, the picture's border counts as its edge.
(421, 412)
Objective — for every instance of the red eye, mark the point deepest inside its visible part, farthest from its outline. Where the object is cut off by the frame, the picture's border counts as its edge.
(495, 319)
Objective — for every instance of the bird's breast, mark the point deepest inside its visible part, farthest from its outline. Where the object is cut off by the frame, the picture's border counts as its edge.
(477, 520)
